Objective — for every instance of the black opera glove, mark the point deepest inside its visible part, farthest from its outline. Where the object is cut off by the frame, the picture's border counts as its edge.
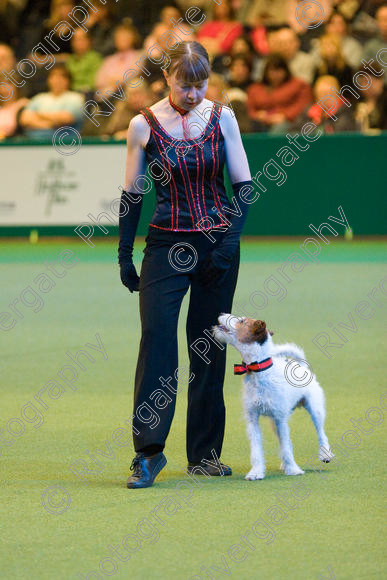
(216, 265)
(130, 210)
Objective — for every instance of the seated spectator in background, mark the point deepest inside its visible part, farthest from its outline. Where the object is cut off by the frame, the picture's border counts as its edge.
(10, 109)
(48, 111)
(100, 25)
(126, 42)
(265, 13)
(9, 17)
(136, 99)
(332, 61)
(297, 21)
(59, 11)
(350, 47)
(242, 46)
(344, 115)
(219, 34)
(286, 43)
(165, 27)
(240, 72)
(32, 85)
(371, 111)
(275, 102)
(83, 63)
(7, 58)
(373, 46)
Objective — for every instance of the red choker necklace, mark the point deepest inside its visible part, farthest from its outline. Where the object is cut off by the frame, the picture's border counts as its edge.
(184, 121)
(177, 108)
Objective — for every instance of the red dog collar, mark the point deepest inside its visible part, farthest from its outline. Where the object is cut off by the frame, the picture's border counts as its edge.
(255, 367)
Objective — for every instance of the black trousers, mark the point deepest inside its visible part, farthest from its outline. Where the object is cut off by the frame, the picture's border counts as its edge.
(165, 278)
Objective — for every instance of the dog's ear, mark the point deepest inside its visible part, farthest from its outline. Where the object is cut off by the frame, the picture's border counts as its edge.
(259, 332)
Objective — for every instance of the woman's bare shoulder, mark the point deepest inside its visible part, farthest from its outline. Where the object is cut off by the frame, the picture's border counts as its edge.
(138, 131)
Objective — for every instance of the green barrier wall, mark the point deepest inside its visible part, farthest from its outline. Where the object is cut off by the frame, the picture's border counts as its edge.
(347, 170)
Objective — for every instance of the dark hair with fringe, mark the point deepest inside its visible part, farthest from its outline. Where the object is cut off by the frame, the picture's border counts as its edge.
(190, 62)
(277, 62)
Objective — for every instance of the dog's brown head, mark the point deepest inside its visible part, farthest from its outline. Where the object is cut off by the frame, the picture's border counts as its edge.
(241, 329)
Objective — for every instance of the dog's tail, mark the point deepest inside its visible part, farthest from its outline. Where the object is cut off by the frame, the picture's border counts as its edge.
(290, 350)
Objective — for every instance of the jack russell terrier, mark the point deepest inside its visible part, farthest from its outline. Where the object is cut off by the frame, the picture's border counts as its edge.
(268, 391)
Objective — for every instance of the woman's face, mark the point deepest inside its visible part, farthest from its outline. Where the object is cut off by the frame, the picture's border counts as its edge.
(276, 76)
(186, 95)
(337, 25)
(58, 82)
(123, 40)
(239, 71)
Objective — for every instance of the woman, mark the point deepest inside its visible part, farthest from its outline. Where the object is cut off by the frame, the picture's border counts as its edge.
(332, 61)
(10, 111)
(219, 34)
(278, 100)
(187, 163)
(343, 116)
(126, 41)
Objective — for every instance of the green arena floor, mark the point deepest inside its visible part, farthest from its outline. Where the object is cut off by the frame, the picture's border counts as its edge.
(326, 524)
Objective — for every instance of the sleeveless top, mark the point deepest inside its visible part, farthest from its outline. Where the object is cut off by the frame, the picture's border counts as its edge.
(188, 176)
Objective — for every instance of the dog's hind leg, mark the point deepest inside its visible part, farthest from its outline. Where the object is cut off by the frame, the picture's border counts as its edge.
(315, 405)
(289, 464)
(257, 459)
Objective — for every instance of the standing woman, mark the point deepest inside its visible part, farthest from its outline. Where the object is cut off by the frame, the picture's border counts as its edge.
(192, 211)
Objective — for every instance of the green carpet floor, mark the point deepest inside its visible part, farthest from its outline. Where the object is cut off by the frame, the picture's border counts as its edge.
(332, 525)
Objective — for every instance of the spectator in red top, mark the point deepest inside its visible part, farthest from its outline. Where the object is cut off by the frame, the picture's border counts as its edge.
(340, 117)
(276, 101)
(218, 35)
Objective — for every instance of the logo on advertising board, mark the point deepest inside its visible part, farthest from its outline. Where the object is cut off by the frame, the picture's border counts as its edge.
(56, 184)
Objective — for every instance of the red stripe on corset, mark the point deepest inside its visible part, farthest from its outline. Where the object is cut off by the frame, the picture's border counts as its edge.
(186, 193)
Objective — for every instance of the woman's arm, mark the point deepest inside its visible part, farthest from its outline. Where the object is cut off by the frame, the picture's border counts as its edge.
(137, 138)
(236, 158)
(131, 199)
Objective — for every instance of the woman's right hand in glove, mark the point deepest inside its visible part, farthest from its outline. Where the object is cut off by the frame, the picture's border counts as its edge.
(129, 276)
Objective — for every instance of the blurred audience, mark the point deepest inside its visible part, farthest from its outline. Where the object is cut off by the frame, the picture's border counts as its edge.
(219, 34)
(10, 110)
(371, 111)
(380, 41)
(332, 61)
(83, 63)
(126, 42)
(59, 106)
(242, 37)
(163, 30)
(350, 47)
(286, 43)
(59, 12)
(100, 25)
(340, 117)
(279, 98)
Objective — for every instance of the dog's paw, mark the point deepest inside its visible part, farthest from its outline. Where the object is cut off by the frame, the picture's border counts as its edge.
(294, 470)
(254, 474)
(325, 454)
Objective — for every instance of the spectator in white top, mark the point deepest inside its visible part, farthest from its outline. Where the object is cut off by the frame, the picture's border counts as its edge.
(48, 111)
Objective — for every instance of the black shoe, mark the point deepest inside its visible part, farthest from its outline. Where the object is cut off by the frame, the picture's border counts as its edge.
(210, 469)
(145, 470)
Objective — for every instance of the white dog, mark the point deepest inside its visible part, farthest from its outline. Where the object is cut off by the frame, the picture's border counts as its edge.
(268, 391)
